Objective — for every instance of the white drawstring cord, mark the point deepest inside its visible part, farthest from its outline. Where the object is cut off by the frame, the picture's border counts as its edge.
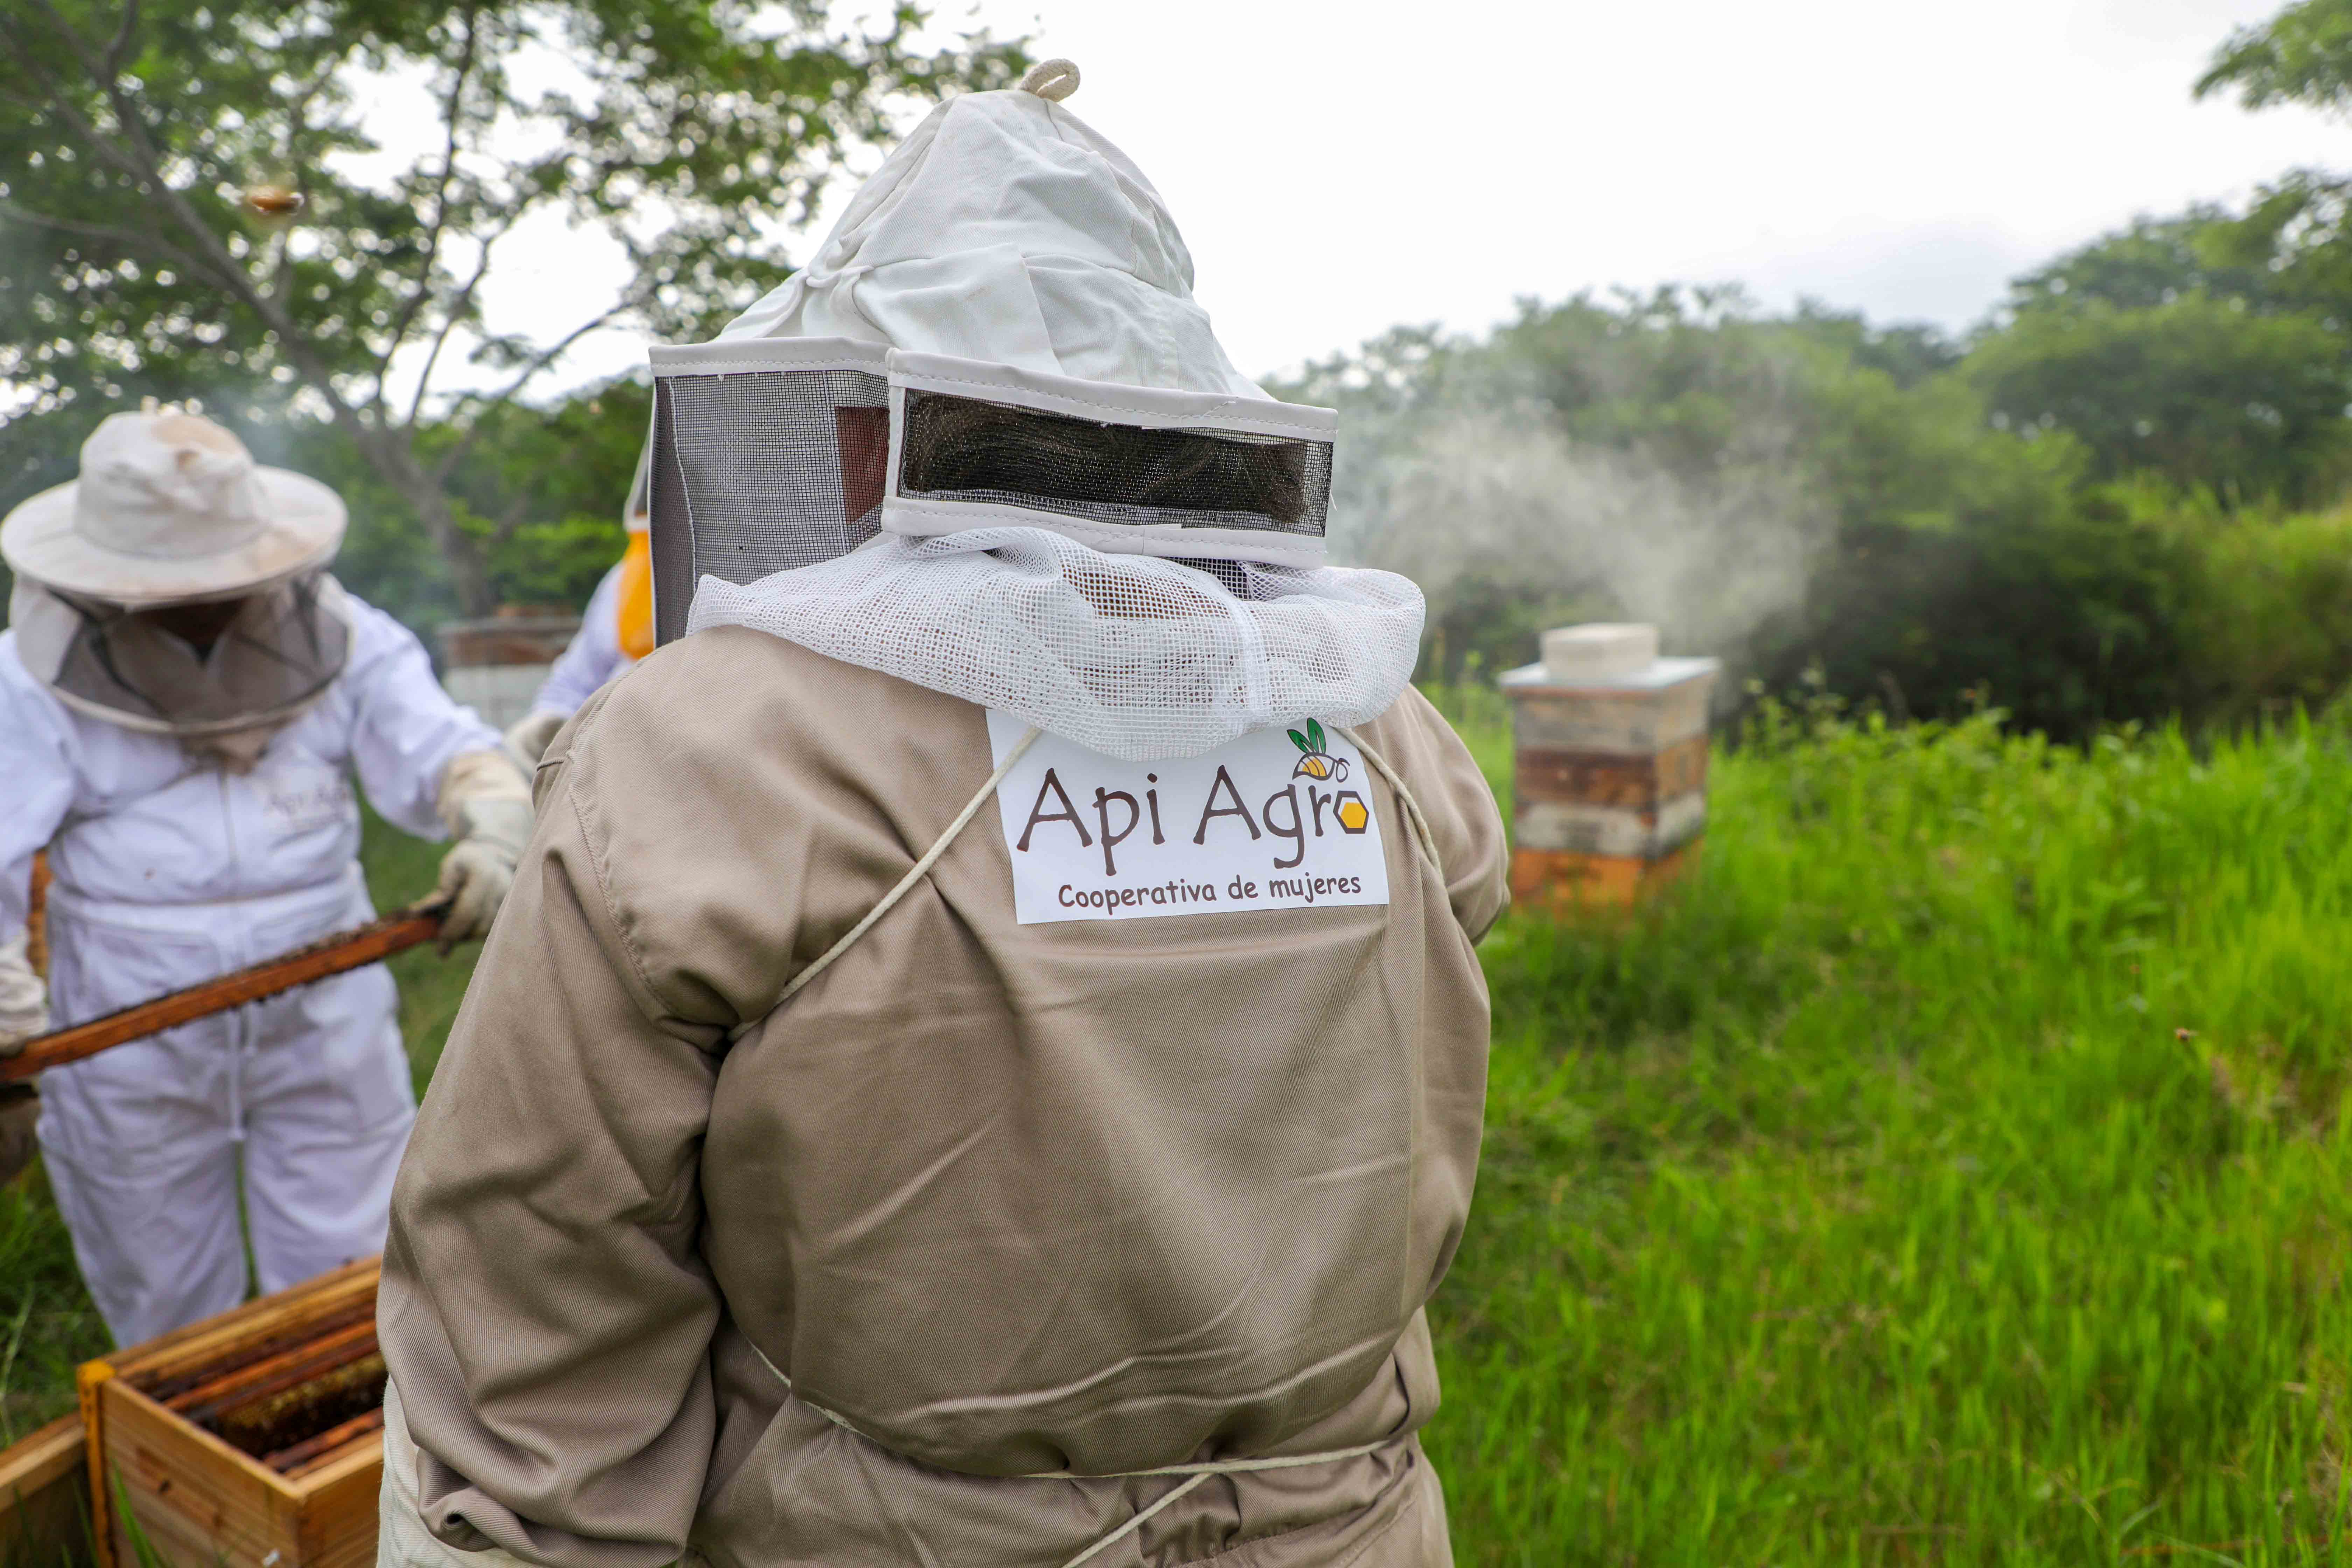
(1194, 1474)
(889, 900)
(1413, 818)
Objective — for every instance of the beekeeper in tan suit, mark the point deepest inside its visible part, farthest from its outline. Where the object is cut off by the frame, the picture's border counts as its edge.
(983, 1060)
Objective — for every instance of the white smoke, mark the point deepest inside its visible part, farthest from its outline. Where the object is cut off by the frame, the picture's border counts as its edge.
(1472, 502)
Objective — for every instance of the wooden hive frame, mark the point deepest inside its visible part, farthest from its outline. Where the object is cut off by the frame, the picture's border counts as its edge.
(154, 1415)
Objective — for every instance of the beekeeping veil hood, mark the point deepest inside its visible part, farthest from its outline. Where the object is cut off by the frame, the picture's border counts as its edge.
(169, 511)
(987, 442)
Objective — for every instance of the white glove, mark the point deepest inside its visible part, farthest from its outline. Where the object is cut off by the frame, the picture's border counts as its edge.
(24, 1013)
(486, 801)
(528, 738)
(24, 1000)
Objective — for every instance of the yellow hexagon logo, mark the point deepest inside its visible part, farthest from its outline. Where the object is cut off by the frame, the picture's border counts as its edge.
(1352, 813)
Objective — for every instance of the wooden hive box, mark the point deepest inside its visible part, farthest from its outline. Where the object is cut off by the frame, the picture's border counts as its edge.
(44, 1494)
(254, 1439)
(1609, 781)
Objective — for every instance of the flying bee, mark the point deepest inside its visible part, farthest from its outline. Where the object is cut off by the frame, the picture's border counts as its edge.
(1315, 762)
(272, 202)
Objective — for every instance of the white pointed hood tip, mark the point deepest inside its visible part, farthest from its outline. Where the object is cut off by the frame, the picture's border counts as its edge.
(1006, 230)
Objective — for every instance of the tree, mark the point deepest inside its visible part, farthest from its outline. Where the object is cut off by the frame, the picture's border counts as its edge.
(187, 202)
(2203, 391)
(2152, 262)
(2176, 347)
(540, 493)
(2300, 226)
(2303, 54)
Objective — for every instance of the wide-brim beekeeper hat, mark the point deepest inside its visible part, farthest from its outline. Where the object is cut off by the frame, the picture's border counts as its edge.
(169, 507)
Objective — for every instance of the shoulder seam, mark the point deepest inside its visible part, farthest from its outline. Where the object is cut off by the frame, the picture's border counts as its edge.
(604, 894)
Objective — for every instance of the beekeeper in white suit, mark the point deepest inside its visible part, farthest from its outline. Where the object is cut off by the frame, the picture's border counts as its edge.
(184, 695)
(983, 1064)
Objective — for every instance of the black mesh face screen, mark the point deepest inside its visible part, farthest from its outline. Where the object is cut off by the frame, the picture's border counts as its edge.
(963, 448)
(756, 472)
(270, 651)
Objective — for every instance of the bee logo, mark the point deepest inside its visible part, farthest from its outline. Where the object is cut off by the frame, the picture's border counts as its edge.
(1316, 762)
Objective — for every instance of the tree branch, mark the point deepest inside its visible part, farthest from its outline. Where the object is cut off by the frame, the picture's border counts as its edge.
(450, 109)
(538, 363)
(121, 39)
(129, 240)
(511, 519)
(147, 168)
(453, 316)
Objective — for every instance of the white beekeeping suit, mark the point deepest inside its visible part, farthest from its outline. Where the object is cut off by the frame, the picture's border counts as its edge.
(615, 631)
(185, 697)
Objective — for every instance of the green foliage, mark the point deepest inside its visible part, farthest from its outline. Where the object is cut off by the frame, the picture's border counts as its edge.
(48, 1325)
(2303, 54)
(135, 257)
(2066, 616)
(2196, 389)
(1813, 497)
(2195, 348)
(2152, 262)
(2268, 623)
(1676, 457)
(538, 491)
(1956, 1171)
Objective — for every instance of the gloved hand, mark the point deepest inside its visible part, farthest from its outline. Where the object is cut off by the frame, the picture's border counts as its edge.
(24, 1000)
(528, 738)
(486, 801)
(24, 1013)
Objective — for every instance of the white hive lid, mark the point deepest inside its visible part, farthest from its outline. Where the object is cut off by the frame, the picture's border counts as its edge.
(1599, 650)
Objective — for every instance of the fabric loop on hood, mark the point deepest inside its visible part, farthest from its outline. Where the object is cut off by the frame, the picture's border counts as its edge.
(1052, 80)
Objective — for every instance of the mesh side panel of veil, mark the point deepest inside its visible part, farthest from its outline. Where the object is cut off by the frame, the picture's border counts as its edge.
(756, 472)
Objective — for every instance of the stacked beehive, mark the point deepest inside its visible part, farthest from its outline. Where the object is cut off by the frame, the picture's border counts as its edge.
(1609, 767)
(250, 1440)
(496, 666)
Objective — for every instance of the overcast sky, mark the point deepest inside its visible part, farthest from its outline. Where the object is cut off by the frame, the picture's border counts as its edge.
(1341, 166)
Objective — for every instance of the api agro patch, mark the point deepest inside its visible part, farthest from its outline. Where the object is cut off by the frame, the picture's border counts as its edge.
(1277, 820)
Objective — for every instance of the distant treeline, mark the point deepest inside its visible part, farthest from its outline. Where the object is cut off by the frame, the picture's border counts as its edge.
(2121, 497)
(2117, 499)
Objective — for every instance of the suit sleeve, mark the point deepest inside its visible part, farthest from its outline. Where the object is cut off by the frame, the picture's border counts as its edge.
(545, 1311)
(405, 728)
(1464, 820)
(36, 783)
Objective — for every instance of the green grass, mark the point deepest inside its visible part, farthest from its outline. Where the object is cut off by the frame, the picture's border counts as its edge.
(1953, 1172)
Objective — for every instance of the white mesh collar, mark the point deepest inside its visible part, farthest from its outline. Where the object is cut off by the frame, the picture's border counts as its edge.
(1130, 656)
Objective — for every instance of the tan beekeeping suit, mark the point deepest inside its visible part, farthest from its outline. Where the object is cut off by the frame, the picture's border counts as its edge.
(1098, 1195)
